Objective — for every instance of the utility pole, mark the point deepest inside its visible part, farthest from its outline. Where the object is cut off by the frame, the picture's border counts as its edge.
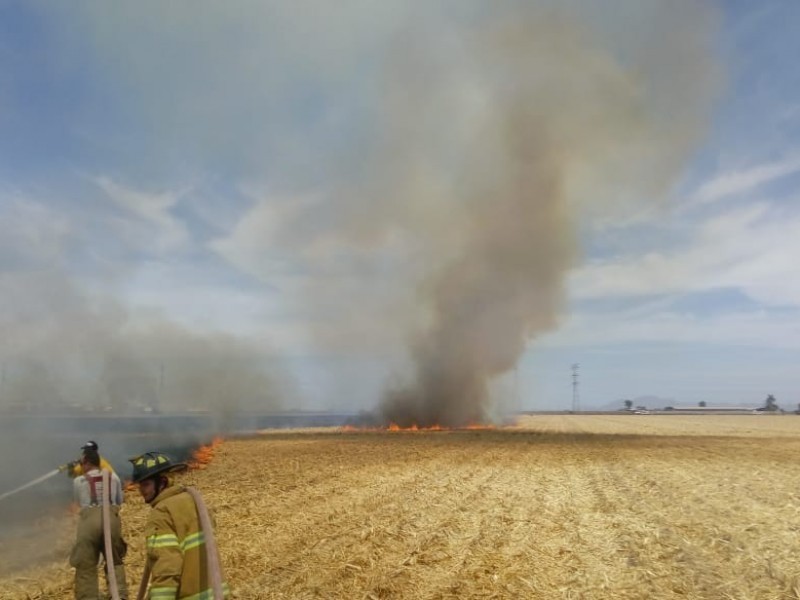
(160, 388)
(576, 397)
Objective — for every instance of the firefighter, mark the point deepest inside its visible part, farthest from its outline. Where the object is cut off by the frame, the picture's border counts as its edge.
(74, 468)
(177, 557)
(88, 492)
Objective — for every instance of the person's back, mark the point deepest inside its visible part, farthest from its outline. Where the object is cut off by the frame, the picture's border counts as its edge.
(89, 491)
(88, 488)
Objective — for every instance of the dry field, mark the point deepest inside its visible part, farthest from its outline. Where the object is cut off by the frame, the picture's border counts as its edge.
(558, 507)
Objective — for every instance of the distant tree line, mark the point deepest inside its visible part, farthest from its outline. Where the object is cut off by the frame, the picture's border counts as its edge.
(770, 405)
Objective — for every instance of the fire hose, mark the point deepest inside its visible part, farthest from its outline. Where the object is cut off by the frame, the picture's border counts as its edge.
(112, 575)
(212, 556)
(32, 483)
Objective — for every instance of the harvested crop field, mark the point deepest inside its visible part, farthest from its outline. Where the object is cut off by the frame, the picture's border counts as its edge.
(556, 507)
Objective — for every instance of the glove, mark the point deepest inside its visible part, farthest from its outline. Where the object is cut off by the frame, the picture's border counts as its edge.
(69, 467)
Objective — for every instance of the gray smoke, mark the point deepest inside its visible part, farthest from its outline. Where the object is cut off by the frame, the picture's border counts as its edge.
(496, 138)
(63, 348)
(426, 167)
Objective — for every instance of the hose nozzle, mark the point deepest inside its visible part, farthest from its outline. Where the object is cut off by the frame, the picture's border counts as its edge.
(68, 467)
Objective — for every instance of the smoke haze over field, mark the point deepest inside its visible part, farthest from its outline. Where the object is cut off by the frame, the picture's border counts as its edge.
(62, 347)
(400, 181)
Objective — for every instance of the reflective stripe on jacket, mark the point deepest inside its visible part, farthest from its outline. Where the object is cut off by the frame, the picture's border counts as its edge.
(176, 549)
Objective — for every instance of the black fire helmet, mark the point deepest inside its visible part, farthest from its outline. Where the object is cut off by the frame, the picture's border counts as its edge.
(150, 464)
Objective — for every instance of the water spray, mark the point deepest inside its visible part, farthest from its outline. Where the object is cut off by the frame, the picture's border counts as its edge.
(44, 477)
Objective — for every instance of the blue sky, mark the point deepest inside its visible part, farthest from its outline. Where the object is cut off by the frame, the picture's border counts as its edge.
(151, 155)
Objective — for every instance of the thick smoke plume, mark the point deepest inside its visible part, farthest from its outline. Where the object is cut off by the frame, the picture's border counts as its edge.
(496, 140)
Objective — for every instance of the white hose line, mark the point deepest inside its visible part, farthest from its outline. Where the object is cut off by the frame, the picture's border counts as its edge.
(212, 556)
(112, 575)
(31, 483)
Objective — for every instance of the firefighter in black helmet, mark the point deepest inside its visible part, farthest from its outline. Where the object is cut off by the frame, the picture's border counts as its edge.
(176, 552)
(75, 468)
(154, 466)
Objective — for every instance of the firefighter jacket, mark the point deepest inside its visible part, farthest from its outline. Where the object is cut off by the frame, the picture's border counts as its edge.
(176, 549)
(76, 469)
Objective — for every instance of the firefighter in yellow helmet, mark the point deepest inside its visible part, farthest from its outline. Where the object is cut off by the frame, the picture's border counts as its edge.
(178, 559)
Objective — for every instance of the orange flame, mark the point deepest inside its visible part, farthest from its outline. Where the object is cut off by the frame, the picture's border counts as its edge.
(200, 458)
(437, 427)
(204, 454)
(394, 427)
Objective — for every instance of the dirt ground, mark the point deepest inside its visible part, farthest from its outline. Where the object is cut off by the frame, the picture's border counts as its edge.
(601, 506)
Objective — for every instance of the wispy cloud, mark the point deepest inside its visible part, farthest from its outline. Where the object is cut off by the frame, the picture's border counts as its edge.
(752, 249)
(744, 180)
(148, 208)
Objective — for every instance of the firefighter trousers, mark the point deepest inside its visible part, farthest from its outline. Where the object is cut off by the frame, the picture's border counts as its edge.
(89, 546)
